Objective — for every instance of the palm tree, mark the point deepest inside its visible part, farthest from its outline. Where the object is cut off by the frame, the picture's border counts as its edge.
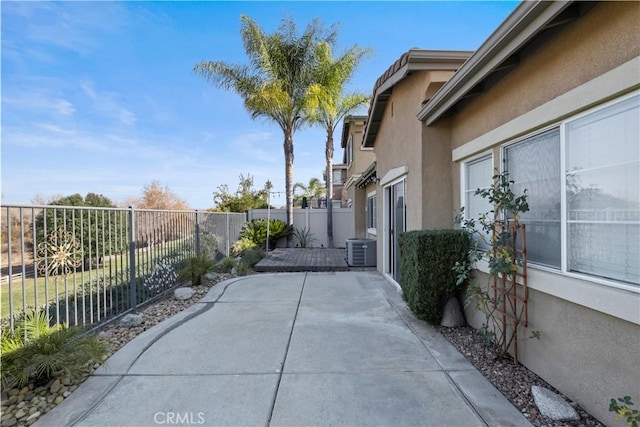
(275, 85)
(328, 105)
(312, 190)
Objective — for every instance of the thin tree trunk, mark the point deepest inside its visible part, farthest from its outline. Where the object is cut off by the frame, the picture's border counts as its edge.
(288, 180)
(329, 157)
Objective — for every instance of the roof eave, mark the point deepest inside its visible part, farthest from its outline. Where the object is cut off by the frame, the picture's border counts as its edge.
(519, 27)
(417, 60)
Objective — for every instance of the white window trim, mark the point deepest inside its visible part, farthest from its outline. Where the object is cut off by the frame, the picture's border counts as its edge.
(392, 177)
(373, 231)
(463, 173)
(608, 296)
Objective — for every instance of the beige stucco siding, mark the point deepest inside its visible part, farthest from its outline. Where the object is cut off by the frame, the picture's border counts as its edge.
(590, 331)
(571, 58)
(398, 142)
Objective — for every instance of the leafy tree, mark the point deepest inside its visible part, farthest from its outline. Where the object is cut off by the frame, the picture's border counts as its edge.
(329, 104)
(97, 231)
(313, 190)
(275, 84)
(245, 197)
(155, 196)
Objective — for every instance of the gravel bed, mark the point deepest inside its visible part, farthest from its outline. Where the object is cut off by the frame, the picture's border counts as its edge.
(23, 407)
(513, 381)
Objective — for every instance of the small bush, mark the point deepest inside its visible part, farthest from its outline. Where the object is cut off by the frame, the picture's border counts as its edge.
(36, 352)
(226, 265)
(251, 257)
(242, 245)
(427, 278)
(196, 268)
(256, 231)
(305, 237)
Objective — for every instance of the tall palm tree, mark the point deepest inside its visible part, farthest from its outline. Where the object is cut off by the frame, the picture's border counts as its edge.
(275, 84)
(328, 104)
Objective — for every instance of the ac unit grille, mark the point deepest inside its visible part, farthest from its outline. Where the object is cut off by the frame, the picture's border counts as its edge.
(361, 252)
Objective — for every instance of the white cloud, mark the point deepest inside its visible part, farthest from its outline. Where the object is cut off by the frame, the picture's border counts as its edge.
(39, 100)
(107, 102)
(259, 145)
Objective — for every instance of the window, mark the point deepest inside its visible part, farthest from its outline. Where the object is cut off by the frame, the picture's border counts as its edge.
(478, 174)
(603, 191)
(371, 213)
(585, 204)
(337, 177)
(349, 150)
(534, 165)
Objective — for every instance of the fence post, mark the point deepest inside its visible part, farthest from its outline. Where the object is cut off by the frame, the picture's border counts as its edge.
(132, 261)
(228, 233)
(197, 234)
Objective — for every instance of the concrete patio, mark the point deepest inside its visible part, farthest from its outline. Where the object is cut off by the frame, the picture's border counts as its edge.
(290, 349)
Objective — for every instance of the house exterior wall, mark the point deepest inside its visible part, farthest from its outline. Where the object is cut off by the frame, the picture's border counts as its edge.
(360, 161)
(569, 59)
(590, 330)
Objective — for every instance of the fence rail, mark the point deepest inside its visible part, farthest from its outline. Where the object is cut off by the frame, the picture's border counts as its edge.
(86, 265)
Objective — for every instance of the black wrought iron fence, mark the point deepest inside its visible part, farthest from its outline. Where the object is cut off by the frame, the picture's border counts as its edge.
(86, 265)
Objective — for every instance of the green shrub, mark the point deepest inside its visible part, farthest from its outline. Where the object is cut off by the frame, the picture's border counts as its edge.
(226, 265)
(36, 352)
(427, 278)
(196, 268)
(242, 245)
(251, 257)
(305, 237)
(256, 231)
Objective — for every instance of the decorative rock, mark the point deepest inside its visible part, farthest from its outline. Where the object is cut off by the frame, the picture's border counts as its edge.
(131, 320)
(65, 381)
(21, 413)
(211, 276)
(13, 392)
(183, 293)
(552, 405)
(24, 390)
(452, 315)
(34, 415)
(55, 387)
(58, 400)
(12, 399)
(10, 422)
(66, 394)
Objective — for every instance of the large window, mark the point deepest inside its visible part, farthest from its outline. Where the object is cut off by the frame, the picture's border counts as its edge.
(603, 191)
(371, 213)
(478, 174)
(583, 182)
(534, 165)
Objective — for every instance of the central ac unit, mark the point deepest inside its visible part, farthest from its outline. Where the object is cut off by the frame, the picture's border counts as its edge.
(361, 252)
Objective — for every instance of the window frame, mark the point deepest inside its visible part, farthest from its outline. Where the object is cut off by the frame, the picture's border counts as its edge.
(562, 126)
(374, 197)
(486, 155)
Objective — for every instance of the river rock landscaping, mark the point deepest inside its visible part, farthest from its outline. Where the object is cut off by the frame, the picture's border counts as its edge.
(513, 381)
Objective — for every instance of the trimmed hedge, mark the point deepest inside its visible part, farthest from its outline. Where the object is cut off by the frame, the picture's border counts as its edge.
(427, 258)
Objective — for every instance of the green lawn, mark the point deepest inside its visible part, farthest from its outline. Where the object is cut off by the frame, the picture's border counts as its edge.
(116, 267)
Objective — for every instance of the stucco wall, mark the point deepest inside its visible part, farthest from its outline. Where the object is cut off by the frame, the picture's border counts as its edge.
(588, 354)
(569, 59)
(398, 141)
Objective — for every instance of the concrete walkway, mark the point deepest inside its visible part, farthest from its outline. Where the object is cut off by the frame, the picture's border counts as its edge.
(291, 349)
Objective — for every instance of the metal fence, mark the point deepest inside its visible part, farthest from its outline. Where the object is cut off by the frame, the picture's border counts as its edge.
(86, 265)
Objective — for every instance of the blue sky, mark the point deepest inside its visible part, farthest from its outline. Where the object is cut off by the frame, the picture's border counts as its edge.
(100, 96)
